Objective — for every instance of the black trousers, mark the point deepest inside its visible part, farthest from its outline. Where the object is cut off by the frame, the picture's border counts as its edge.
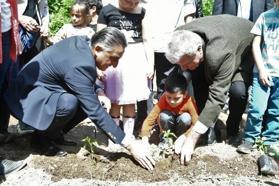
(68, 115)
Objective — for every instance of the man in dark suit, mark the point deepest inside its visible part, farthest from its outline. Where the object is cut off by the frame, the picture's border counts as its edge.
(217, 50)
(56, 90)
(238, 8)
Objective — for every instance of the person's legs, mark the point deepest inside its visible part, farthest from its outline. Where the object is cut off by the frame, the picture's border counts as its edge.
(115, 113)
(271, 133)
(66, 109)
(167, 120)
(141, 114)
(66, 118)
(129, 118)
(238, 95)
(183, 123)
(4, 74)
(257, 106)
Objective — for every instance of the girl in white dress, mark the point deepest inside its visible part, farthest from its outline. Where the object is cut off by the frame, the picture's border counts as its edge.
(128, 82)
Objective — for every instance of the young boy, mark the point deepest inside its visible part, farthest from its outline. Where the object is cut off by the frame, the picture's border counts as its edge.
(175, 111)
(265, 90)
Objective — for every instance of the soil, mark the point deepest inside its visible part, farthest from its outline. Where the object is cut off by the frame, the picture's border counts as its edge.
(217, 164)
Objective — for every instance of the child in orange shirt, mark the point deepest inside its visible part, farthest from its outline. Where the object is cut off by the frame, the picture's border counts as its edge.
(176, 110)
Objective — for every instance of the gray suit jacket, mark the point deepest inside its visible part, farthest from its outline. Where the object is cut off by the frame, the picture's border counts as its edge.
(230, 7)
(227, 41)
(67, 66)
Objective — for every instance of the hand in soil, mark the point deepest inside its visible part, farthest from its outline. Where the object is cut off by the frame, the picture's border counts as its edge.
(142, 155)
(185, 145)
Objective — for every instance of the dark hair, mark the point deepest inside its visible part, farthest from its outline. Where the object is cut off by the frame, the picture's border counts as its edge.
(97, 3)
(83, 4)
(176, 83)
(108, 38)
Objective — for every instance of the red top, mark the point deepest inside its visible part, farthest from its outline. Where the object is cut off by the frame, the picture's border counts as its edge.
(15, 43)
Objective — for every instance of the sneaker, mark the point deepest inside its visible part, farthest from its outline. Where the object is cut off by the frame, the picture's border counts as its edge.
(44, 146)
(8, 166)
(245, 148)
(23, 128)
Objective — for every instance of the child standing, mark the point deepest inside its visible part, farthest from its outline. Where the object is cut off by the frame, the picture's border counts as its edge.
(95, 6)
(77, 27)
(265, 90)
(127, 83)
(176, 110)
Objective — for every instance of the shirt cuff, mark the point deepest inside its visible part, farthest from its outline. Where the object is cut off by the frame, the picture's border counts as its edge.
(127, 140)
(200, 128)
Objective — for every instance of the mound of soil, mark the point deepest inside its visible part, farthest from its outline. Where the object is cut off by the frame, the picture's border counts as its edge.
(216, 164)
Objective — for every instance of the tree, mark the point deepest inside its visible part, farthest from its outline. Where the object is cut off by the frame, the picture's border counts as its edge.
(59, 13)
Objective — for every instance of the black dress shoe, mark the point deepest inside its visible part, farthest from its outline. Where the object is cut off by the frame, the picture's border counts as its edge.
(6, 137)
(45, 146)
(53, 150)
(62, 141)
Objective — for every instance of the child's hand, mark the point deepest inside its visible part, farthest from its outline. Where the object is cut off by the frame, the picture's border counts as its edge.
(265, 78)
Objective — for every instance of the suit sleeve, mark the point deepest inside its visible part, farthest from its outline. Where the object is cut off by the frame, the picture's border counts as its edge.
(217, 91)
(81, 82)
(217, 7)
(192, 110)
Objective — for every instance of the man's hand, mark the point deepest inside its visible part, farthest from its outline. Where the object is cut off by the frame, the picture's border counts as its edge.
(140, 151)
(185, 144)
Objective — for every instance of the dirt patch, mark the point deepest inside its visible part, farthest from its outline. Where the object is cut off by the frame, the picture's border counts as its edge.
(216, 164)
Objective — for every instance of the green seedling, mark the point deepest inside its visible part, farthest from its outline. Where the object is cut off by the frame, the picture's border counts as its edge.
(260, 145)
(89, 144)
(169, 136)
(166, 146)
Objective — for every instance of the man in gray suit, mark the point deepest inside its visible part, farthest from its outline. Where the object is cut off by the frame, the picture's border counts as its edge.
(248, 9)
(216, 49)
(56, 90)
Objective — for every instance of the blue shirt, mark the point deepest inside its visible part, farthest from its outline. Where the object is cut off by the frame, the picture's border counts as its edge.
(267, 26)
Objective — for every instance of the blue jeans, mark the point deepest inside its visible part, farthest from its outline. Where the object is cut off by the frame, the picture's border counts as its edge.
(176, 124)
(263, 98)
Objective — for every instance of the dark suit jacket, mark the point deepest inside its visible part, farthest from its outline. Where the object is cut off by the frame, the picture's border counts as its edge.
(227, 41)
(230, 7)
(67, 66)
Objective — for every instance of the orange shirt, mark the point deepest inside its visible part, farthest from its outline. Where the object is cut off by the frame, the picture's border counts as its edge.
(188, 105)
